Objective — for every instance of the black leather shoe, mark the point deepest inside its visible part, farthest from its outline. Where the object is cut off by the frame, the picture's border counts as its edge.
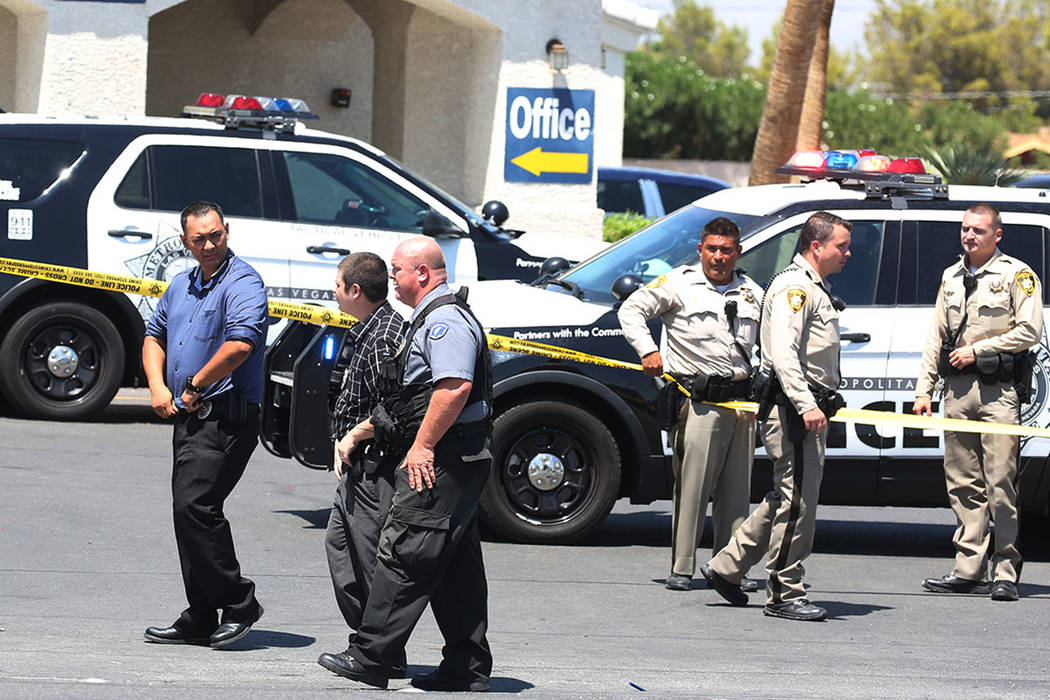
(342, 664)
(438, 680)
(229, 632)
(953, 584)
(730, 591)
(796, 610)
(750, 585)
(1004, 590)
(175, 635)
(678, 582)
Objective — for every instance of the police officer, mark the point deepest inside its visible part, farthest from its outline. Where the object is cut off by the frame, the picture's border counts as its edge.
(989, 312)
(429, 547)
(800, 375)
(710, 312)
(203, 358)
(365, 481)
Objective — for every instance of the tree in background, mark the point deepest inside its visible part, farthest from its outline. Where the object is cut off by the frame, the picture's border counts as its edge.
(693, 32)
(812, 117)
(934, 46)
(779, 127)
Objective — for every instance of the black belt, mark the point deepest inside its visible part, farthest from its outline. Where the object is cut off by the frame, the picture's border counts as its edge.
(226, 405)
(703, 387)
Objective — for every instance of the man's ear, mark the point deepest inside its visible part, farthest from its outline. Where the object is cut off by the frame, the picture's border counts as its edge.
(185, 243)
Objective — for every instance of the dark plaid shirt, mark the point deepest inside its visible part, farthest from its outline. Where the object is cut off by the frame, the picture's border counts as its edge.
(365, 346)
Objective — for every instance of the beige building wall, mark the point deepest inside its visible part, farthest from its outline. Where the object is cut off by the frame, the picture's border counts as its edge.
(296, 48)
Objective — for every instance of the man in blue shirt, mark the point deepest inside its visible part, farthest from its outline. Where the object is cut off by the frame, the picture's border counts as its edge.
(203, 358)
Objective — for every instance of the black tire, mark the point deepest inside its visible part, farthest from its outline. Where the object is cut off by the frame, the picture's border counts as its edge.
(562, 505)
(96, 363)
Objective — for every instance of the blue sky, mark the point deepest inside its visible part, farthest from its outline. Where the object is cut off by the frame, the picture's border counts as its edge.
(758, 17)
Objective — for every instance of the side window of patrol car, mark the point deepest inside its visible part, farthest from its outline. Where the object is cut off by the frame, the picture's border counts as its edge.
(167, 178)
(857, 282)
(30, 166)
(931, 246)
(330, 189)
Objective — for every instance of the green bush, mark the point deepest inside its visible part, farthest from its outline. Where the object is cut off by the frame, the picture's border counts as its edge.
(618, 225)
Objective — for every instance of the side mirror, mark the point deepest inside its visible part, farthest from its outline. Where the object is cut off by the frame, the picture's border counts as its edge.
(495, 211)
(625, 285)
(436, 225)
(552, 266)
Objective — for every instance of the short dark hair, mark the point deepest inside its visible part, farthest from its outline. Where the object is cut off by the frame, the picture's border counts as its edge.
(986, 209)
(367, 271)
(819, 228)
(199, 209)
(720, 226)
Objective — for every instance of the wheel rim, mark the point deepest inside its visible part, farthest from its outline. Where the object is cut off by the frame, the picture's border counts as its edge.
(547, 475)
(62, 361)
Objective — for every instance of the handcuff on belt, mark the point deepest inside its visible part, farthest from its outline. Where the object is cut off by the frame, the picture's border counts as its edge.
(205, 408)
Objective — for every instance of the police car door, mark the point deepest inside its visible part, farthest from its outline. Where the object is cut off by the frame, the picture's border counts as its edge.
(865, 327)
(133, 222)
(337, 201)
(912, 459)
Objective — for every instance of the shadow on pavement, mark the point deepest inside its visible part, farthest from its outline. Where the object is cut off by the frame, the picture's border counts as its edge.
(497, 684)
(838, 611)
(265, 639)
(315, 519)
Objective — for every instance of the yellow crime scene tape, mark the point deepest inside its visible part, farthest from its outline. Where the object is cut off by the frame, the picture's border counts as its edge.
(323, 316)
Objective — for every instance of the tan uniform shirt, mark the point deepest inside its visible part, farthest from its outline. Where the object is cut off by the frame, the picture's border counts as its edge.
(1005, 313)
(699, 339)
(800, 333)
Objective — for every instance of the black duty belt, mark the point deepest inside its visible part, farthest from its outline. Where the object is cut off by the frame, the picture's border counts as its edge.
(228, 405)
(703, 387)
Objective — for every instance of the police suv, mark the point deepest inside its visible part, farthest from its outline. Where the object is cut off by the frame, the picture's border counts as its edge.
(570, 438)
(106, 195)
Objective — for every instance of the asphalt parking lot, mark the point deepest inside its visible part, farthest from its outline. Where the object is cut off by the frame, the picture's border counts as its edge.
(87, 561)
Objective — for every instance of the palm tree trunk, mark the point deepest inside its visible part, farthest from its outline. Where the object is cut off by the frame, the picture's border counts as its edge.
(809, 125)
(778, 130)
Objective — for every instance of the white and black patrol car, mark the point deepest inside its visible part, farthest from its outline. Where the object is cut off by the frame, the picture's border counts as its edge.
(571, 438)
(106, 195)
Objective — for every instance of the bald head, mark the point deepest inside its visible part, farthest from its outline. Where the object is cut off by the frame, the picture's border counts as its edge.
(417, 267)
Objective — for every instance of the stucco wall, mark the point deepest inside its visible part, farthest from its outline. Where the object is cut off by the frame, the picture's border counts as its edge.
(8, 58)
(300, 48)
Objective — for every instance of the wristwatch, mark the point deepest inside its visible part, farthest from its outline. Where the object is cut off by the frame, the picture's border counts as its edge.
(188, 386)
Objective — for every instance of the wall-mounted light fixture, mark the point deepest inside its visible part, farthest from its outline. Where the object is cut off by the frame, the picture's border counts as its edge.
(340, 97)
(557, 54)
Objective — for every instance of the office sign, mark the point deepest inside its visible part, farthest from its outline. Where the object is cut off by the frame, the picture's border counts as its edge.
(550, 135)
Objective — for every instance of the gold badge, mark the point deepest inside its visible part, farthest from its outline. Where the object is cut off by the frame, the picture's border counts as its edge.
(796, 298)
(748, 296)
(1026, 281)
(656, 282)
(995, 286)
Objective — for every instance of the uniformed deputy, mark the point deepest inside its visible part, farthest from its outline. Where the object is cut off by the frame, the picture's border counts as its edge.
(365, 482)
(710, 312)
(429, 547)
(989, 312)
(203, 358)
(800, 365)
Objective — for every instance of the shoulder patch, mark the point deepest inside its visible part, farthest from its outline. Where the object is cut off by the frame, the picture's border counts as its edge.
(438, 331)
(1026, 281)
(796, 298)
(656, 282)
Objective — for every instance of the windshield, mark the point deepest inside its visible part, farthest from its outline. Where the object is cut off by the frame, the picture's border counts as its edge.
(649, 253)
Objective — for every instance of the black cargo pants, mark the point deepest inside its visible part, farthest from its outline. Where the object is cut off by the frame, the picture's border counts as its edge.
(430, 552)
(209, 458)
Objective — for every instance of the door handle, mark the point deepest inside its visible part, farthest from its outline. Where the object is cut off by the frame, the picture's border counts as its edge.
(125, 233)
(315, 249)
(855, 337)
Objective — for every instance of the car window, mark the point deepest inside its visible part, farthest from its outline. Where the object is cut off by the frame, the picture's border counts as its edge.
(30, 166)
(621, 196)
(649, 253)
(937, 246)
(167, 178)
(330, 189)
(856, 283)
(676, 195)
